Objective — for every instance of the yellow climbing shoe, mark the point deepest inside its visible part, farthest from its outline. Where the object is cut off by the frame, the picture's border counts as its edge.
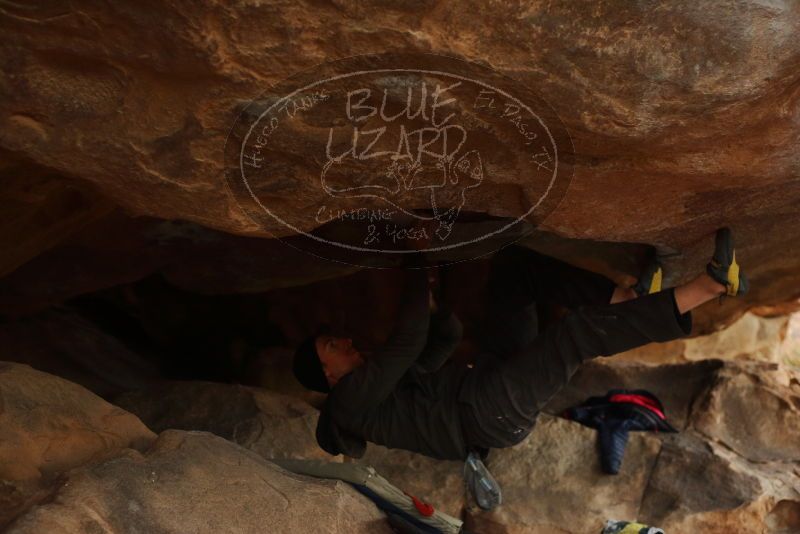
(651, 278)
(723, 266)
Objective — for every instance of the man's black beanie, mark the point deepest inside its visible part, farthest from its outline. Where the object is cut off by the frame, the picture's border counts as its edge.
(307, 367)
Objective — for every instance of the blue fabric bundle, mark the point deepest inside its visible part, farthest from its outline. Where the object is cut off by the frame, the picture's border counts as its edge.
(614, 415)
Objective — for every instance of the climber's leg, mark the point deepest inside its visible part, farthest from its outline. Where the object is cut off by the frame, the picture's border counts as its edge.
(520, 276)
(501, 408)
(522, 282)
(699, 291)
(502, 404)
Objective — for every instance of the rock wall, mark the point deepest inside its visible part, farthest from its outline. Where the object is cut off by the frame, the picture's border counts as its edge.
(751, 337)
(701, 97)
(194, 481)
(679, 126)
(50, 426)
(128, 256)
(733, 466)
(73, 463)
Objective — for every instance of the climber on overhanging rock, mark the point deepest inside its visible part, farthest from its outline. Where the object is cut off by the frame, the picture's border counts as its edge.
(405, 397)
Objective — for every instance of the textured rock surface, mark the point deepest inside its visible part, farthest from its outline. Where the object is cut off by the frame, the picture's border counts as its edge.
(741, 441)
(756, 414)
(653, 91)
(267, 423)
(751, 337)
(746, 496)
(196, 482)
(677, 496)
(682, 119)
(733, 467)
(277, 426)
(272, 369)
(40, 209)
(48, 426)
(552, 481)
(726, 471)
(679, 125)
(790, 347)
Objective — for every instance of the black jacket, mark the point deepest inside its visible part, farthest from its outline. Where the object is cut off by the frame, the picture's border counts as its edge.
(403, 397)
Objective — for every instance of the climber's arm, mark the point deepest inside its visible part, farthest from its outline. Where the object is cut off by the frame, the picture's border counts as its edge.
(374, 381)
(443, 338)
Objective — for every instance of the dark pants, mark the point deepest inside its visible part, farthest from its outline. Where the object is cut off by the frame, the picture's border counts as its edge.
(525, 361)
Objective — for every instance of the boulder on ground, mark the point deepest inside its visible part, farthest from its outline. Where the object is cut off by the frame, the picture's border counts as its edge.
(753, 409)
(48, 426)
(750, 337)
(269, 424)
(278, 426)
(732, 468)
(199, 483)
(699, 487)
(552, 482)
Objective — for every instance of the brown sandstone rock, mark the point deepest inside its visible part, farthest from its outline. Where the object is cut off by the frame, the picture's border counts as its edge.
(732, 468)
(196, 482)
(277, 426)
(675, 83)
(753, 409)
(48, 426)
(701, 486)
(680, 125)
(784, 517)
(41, 208)
(751, 337)
(552, 481)
(267, 423)
(693, 488)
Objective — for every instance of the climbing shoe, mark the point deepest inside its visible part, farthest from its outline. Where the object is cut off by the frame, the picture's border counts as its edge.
(723, 267)
(651, 277)
(481, 484)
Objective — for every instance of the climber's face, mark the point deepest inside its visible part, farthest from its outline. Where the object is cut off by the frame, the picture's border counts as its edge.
(338, 357)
